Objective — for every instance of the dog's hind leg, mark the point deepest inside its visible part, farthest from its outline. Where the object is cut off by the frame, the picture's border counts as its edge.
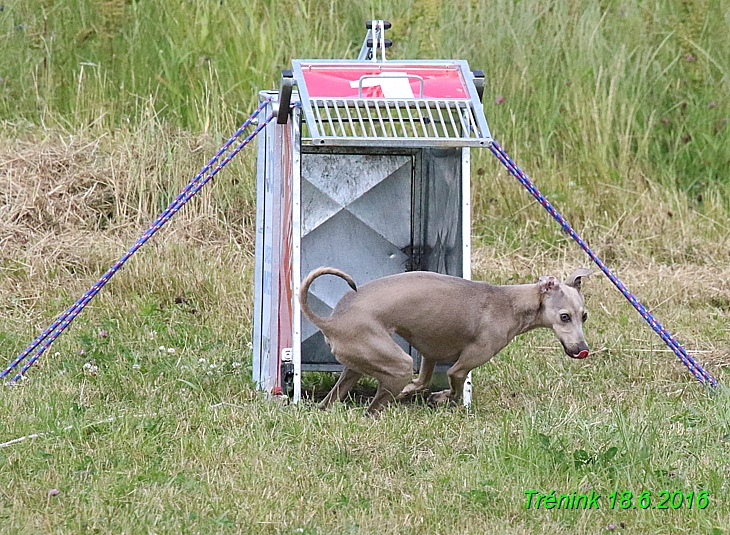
(388, 364)
(388, 389)
(421, 382)
(348, 379)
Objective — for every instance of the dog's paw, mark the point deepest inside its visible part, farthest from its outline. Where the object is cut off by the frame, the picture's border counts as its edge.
(440, 398)
(409, 389)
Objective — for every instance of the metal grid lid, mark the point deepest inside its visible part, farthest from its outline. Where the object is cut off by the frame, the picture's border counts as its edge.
(393, 103)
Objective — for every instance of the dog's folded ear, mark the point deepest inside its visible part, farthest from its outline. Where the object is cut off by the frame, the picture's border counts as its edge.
(547, 283)
(576, 278)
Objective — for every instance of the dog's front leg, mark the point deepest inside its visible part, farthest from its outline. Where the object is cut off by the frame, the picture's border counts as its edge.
(421, 382)
(469, 359)
(457, 378)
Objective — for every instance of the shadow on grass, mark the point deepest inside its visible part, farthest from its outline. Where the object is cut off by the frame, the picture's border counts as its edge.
(316, 388)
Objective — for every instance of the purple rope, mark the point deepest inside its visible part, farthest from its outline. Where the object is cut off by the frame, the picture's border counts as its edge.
(697, 370)
(58, 326)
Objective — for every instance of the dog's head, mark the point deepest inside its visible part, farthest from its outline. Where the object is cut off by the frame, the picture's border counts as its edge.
(563, 311)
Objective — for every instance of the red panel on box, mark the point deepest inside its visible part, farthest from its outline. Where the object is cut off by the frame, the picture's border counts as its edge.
(342, 81)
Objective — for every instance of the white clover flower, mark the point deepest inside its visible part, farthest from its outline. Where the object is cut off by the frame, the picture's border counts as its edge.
(170, 349)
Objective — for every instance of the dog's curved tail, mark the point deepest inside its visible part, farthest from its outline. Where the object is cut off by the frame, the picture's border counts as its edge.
(319, 321)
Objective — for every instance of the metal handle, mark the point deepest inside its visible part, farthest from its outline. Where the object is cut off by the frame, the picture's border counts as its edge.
(285, 89)
(369, 24)
(389, 75)
(479, 83)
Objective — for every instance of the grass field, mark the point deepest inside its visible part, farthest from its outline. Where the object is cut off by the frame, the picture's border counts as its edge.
(142, 418)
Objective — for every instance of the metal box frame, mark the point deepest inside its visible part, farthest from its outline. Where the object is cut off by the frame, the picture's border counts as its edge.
(373, 184)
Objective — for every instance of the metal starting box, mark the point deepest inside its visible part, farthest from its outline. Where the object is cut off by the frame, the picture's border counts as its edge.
(366, 169)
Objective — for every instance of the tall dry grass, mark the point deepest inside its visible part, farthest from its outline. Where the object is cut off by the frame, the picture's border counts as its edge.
(600, 89)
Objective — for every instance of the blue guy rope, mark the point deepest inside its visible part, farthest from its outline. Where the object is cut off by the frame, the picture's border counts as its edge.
(697, 370)
(51, 333)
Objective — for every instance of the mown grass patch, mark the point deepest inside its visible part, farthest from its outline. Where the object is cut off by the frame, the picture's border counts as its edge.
(168, 435)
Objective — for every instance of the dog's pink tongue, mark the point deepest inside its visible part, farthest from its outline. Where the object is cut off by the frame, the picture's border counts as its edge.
(583, 354)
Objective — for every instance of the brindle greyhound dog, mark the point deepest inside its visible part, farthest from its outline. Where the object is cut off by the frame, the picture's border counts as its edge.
(447, 319)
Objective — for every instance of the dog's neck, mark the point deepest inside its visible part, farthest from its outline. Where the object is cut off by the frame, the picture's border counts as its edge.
(526, 307)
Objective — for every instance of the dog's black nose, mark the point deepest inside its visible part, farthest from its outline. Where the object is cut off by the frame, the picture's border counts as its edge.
(577, 351)
(581, 351)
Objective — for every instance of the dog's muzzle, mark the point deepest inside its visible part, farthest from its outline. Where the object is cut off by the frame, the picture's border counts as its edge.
(579, 351)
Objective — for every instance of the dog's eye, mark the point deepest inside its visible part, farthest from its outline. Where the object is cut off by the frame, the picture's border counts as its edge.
(585, 317)
(565, 318)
